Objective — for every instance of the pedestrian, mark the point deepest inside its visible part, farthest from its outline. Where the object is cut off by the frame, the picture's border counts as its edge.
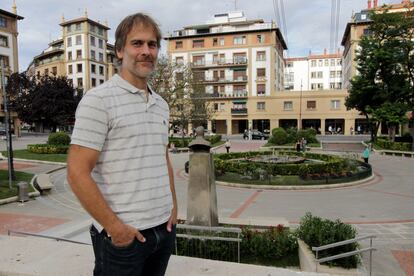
(118, 164)
(365, 154)
(227, 145)
(303, 143)
(330, 129)
(359, 129)
(351, 130)
(298, 147)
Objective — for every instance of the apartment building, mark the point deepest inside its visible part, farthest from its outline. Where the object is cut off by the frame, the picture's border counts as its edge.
(83, 54)
(9, 53)
(314, 72)
(241, 64)
(355, 29)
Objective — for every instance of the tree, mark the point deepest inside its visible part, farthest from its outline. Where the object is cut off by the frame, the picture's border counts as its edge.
(383, 88)
(46, 100)
(183, 91)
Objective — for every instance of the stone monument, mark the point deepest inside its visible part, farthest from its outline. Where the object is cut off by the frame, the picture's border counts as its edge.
(201, 196)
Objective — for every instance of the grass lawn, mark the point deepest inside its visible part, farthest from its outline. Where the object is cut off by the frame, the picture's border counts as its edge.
(5, 192)
(24, 154)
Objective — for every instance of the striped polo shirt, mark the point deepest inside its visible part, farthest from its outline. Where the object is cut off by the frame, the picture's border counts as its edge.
(131, 134)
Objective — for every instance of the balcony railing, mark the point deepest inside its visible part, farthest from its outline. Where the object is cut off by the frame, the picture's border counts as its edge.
(228, 79)
(234, 94)
(239, 111)
(220, 62)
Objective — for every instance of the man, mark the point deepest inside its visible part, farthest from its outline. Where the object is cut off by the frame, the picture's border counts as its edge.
(118, 164)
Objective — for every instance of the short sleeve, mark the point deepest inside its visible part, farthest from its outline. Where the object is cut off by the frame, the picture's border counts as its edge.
(91, 124)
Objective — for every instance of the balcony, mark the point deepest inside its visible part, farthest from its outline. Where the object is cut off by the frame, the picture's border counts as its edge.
(239, 111)
(213, 80)
(234, 94)
(220, 63)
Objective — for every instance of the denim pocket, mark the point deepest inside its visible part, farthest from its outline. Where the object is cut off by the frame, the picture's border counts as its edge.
(130, 246)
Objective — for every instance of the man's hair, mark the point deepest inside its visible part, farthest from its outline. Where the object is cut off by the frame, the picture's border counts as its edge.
(129, 22)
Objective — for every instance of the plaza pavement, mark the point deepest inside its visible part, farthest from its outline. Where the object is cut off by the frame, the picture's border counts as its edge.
(383, 206)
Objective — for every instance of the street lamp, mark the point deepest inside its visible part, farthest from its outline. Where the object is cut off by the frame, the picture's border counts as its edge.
(300, 106)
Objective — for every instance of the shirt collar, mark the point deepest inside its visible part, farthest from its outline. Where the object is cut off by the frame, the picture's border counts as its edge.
(127, 86)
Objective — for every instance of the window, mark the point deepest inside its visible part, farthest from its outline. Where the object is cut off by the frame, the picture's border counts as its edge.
(93, 56)
(198, 60)
(5, 60)
(339, 62)
(338, 74)
(239, 58)
(311, 104)
(335, 104)
(320, 75)
(78, 40)
(179, 60)
(47, 71)
(289, 64)
(332, 85)
(78, 27)
(93, 68)
(332, 62)
(70, 55)
(100, 31)
(313, 75)
(178, 44)
(239, 40)
(69, 28)
(4, 42)
(93, 82)
(261, 89)
(326, 62)
(92, 40)
(101, 81)
(260, 38)
(313, 63)
(239, 75)
(54, 70)
(261, 56)
(367, 31)
(320, 63)
(288, 105)
(332, 74)
(80, 82)
(79, 68)
(101, 70)
(100, 44)
(179, 76)
(70, 69)
(221, 41)
(215, 41)
(101, 57)
(78, 54)
(216, 107)
(3, 22)
(339, 85)
(320, 86)
(198, 43)
(261, 105)
(261, 72)
(92, 28)
(69, 41)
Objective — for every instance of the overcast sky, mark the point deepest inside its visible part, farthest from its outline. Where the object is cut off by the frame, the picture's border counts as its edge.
(307, 21)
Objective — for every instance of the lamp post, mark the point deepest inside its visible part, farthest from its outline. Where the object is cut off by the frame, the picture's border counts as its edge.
(6, 119)
(300, 106)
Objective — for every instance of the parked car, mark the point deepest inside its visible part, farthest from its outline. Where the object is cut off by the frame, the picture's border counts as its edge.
(256, 135)
(2, 131)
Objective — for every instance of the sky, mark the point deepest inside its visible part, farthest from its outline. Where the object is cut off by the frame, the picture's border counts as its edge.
(308, 22)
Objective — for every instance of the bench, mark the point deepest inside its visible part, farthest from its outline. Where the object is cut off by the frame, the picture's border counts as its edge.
(43, 182)
(179, 150)
(397, 153)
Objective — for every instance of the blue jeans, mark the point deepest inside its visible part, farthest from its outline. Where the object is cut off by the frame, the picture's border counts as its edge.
(136, 259)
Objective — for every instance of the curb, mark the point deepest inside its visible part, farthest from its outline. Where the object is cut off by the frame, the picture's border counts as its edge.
(36, 193)
(301, 187)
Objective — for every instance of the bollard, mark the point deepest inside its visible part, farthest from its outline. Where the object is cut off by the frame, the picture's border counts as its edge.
(23, 191)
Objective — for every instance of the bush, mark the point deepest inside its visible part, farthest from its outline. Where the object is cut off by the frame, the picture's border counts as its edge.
(389, 145)
(315, 231)
(214, 138)
(279, 136)
(48, 149)
(58, 138)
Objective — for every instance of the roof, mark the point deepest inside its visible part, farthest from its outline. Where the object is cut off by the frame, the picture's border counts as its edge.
(296, 59)
(49, 53)
(18, 17)
(83, 19)
(337, 55)
(201, 26)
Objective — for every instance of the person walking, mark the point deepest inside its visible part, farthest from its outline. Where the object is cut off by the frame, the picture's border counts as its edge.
(227, 145)
(118, 163)
(365, 154)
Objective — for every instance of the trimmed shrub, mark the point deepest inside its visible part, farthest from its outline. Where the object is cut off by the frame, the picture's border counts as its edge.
(214, 138)
(48, 149)
(389, 145)
(315, 231)
(279, 136)
(58, 138)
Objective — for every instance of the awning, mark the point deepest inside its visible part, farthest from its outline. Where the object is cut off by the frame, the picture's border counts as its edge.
(239, 101)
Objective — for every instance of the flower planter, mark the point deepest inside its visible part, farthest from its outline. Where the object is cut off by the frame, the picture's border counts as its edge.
(308, 263)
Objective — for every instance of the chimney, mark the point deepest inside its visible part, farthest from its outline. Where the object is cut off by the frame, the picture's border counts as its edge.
(324, 51)
(369, 4)
(405, 2)
(14, 7)
(375, 4)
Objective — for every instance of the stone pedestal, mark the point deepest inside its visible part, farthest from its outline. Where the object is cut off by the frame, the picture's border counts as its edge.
(201, 196)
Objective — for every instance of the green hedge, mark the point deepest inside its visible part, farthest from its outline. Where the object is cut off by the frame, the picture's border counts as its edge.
(315, 231)
(59, 138)
(332, 164)
(180, 142)
(214, 138)
(48, 149)
(390, 145)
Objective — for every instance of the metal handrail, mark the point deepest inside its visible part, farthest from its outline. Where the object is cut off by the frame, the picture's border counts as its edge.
(346, 254)
(44, 236)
